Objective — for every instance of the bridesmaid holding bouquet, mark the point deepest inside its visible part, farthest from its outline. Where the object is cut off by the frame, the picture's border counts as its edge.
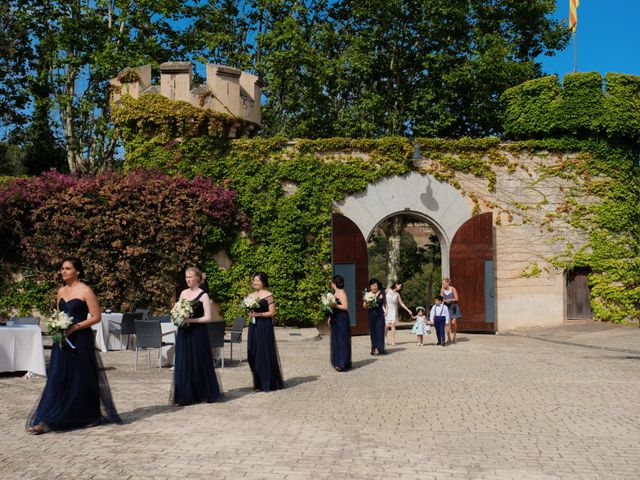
(194, 376)
(262, 351)
(77, 393)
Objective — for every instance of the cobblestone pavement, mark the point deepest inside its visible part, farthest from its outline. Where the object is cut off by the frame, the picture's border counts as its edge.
(488, 407)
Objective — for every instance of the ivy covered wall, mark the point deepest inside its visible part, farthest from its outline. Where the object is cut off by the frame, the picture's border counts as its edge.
(287, 190)
(579, 139)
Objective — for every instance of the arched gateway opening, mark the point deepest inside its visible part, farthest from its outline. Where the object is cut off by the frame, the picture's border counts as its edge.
(466, 243)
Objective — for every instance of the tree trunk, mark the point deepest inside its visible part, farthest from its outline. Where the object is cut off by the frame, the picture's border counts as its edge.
(393, 231)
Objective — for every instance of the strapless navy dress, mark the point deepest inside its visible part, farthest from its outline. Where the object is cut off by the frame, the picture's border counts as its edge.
(77, 393)
(340, 339)
(262, 351)
(194, 376)
(376, 324)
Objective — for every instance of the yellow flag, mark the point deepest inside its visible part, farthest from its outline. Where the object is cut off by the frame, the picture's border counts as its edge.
(573, 14)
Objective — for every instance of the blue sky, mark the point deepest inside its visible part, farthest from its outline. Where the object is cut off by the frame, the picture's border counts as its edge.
(608, 38)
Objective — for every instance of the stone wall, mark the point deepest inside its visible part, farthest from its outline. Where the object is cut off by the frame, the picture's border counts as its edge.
(530, 226)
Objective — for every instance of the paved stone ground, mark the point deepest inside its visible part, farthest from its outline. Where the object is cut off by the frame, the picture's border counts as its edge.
(488, 407)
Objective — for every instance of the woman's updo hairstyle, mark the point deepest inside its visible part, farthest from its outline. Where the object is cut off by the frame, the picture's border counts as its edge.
(77, 264)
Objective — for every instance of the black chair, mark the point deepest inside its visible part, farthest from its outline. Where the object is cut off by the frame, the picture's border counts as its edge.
(126, 327)
(148, 336)
(216, 335)
(25, 320)
(144, 311)
(160, 318)
(236, 335)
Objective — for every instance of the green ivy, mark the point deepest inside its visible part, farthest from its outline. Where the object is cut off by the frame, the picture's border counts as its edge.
(287, 189)
(25, 296)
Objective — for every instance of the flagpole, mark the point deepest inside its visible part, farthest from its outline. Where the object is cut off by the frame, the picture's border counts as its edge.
(575, 53)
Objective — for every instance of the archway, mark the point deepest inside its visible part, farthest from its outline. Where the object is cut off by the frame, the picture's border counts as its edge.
(406, 247)
(465, 239)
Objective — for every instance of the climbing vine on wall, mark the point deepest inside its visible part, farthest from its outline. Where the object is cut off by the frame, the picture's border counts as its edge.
(287, 189)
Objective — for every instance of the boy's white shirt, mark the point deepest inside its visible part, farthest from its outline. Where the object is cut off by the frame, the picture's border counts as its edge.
(445, 312)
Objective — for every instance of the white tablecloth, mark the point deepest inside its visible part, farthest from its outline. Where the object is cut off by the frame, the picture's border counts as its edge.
(105, 340)
(168, 336)
(21, 349)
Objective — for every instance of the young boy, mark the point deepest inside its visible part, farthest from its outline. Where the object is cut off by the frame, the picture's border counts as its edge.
(439, 315)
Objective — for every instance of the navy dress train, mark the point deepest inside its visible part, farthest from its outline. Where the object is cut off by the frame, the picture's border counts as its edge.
(262, 351)
(77, 393)
(376, 324)
(194, 377)
(340, 339)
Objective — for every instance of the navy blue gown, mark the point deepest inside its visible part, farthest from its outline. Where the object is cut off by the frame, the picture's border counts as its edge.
(77, 393)
(340, 340)
(376, 324)
(262, 351)
(194, 376)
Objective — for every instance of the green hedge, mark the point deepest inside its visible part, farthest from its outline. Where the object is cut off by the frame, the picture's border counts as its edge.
(584, 106)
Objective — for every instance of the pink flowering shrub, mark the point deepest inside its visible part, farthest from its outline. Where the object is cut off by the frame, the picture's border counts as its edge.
(135, 232)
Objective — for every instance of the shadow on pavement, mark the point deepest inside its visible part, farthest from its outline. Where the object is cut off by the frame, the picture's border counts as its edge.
(361, 363)
(146, 412)
(294, 381)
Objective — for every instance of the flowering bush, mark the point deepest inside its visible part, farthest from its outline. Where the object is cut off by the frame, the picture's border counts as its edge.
(134, 232)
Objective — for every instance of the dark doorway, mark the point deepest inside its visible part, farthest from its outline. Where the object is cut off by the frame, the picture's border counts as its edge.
(579, 294)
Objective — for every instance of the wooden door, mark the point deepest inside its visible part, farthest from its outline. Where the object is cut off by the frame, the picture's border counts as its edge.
(350, 255)
(579, 295)
(471, 259)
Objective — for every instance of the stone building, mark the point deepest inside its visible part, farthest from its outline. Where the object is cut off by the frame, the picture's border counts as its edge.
(498, 242)
(227, 90)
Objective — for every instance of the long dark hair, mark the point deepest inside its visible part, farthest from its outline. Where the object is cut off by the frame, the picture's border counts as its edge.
(338, 281)
(77, 264)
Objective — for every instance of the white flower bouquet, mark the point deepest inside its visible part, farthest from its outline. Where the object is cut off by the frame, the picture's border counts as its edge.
(250, 303)
(328, 301)
(56, 324)
(182, 310)
(370, 299)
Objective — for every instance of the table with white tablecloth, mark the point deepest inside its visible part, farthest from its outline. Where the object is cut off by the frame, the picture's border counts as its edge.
(105, 338)
(21, 349)
(168, 336)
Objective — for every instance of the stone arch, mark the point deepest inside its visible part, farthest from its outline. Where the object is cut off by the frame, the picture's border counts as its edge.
(423, 196)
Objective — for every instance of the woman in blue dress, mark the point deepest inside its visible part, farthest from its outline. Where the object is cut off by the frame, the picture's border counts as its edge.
(340, 327)
(77, 393)
(262, 351)
(194, 376)
(376, 314)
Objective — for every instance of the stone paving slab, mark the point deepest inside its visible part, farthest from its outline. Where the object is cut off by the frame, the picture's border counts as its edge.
(600, 335)
(487, 407)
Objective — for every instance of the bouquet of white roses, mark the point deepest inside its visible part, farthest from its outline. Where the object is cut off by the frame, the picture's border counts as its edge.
(182, 310)
(250, 303)
(328, 300)
(370, 299)
(56, 324)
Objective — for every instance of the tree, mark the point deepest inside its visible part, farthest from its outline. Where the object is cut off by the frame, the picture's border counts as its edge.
(69, 49)
(436, 67)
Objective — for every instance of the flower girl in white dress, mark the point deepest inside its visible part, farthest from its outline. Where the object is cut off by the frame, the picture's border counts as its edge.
(421, 327)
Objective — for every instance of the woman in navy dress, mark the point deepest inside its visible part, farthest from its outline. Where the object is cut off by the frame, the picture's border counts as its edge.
(77, 393)
(262, 351)
(194, 376)
(376, 316)
(340, 327)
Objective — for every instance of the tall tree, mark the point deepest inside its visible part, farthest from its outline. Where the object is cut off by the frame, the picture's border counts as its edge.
(75, 46)
(437, 67)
